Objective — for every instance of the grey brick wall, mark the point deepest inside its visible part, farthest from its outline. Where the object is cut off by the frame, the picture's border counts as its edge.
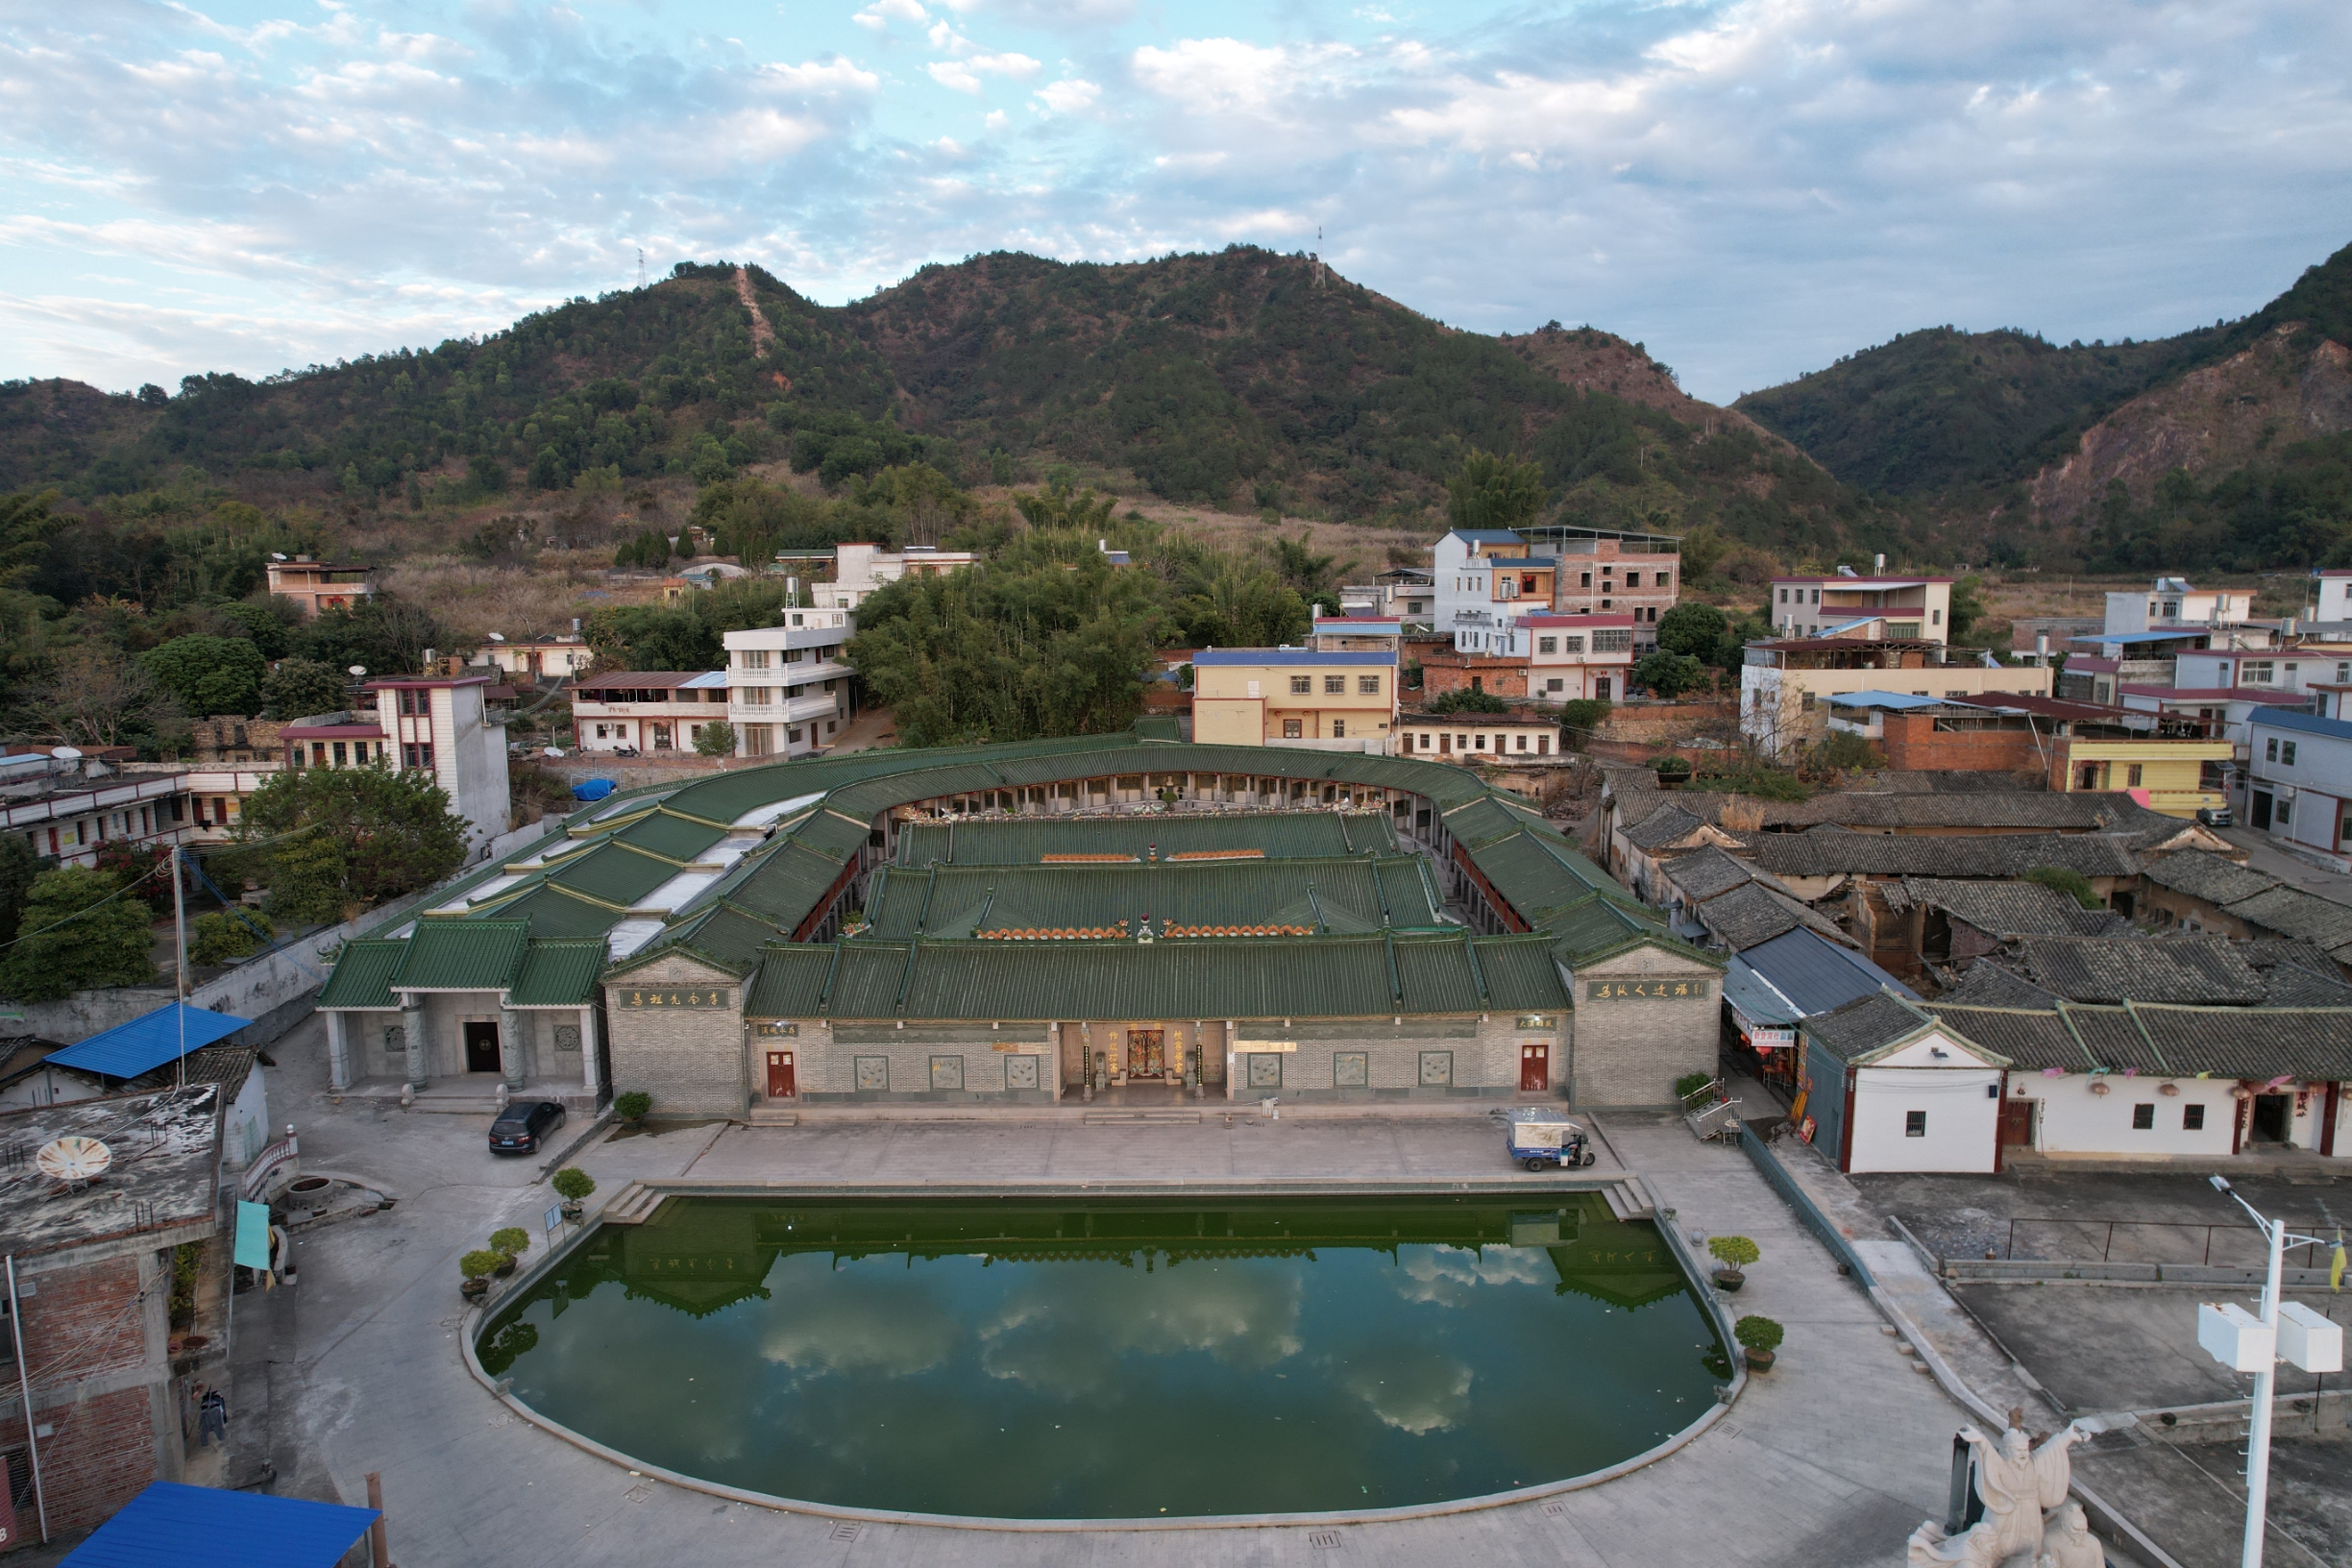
(692, 1063)
(829, 1056)
(1473, 1058)
(1629, 1050)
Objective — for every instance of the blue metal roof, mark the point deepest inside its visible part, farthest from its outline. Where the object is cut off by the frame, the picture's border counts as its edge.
(1816, 974)
(1488, 536)
(203, 1526)
(2304, 724)
(1898, 700)
(146, 1044)
(1292, 655)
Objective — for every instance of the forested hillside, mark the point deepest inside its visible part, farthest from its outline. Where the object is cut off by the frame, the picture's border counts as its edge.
(2228, 446)
(1244, 381)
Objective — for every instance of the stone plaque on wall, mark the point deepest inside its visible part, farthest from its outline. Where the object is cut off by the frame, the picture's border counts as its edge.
(1020, 1073)
(684, 998)
(1351, 1069)
(1627, 990)
(567, 1037)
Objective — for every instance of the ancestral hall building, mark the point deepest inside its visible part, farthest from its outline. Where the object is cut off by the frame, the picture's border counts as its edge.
(1023, 923)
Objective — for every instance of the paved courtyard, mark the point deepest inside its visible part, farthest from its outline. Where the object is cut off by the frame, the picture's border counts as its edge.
(1830, 1459)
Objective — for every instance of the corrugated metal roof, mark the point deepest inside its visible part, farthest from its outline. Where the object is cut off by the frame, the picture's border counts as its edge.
(205, 1527)
(148, 1041)
(1818, 975)
(558, 973)
(462, 955)
(362, 976)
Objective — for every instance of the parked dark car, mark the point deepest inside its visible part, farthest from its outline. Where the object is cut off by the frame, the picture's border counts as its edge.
(520, 1127)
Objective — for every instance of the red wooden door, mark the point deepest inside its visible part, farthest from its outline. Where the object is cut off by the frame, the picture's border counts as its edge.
(2017, 1120)
(1535, 1067)
(780, 1075)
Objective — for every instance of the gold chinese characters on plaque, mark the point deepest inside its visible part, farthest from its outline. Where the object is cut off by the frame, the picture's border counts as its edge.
(685, 998)
(1611, 991)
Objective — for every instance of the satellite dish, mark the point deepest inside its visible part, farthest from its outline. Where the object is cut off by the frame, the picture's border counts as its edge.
(67, 753)
(498, 636)
(358, 669)
(74, 1158)
(276, 555)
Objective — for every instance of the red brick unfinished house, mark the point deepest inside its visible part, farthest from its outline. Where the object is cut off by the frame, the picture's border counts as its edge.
(92, 1303)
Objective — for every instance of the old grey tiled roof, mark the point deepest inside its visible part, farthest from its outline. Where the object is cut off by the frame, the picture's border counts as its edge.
(1663, 826)
(1831, 853)
(2294, 913)
(2288, 986)
(2197, 969)
(2009, 909)
(1864, 1025)
(1754, 912)
(1988, 984)
(2210, 877)
(1707, 873)
(2154, 1040)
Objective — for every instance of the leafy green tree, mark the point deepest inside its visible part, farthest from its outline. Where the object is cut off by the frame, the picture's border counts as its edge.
(78, 932)
(1243, 608)
(1966, 607)
(298, 688)
(486, 474)
(1669, 675)
(1580, 717)
(330, 842)
(19, 865)
(225, 936)
(716, 738)
(1494, 492)
(386, 634)
(1051, 640)
(270, 625)
(1692, 628)
(1463, 699)
(209, 675)
(651, 637)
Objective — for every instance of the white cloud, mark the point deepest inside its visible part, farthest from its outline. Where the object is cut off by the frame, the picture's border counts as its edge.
(1069, 96)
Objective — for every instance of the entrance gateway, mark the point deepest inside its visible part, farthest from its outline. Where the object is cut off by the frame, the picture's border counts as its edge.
(482, 1046)
(780, 1084)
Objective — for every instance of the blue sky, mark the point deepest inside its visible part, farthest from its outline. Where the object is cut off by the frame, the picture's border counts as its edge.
(1752, 188)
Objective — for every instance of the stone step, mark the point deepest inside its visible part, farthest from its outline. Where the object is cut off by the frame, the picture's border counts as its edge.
(769, 1116)
(633, 1205)
(1628, 1199)
(1111, 1118)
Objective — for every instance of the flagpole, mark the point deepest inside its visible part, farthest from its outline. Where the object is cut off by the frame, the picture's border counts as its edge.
(180, 964)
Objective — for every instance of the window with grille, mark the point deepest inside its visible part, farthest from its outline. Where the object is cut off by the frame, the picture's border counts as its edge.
(1367, 685)
(1301, 685)
(1335, 685)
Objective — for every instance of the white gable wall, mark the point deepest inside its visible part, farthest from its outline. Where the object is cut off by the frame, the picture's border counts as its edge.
(1963, 1117)
(2071, 1119)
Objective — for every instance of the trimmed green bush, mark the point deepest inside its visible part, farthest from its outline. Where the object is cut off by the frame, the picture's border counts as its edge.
(479, 1263)
(510, 1241)
(1733, 1252)
(1758, 1334)
(633, 1105)
(573, 1184)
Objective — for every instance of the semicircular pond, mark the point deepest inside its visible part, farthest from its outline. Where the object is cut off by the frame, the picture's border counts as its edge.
(1100, 1360)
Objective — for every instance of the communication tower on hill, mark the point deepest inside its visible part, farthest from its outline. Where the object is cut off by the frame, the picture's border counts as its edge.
(641, 266)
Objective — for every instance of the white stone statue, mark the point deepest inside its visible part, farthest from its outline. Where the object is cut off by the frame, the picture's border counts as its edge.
(2017, 1483)
(2067, 1541)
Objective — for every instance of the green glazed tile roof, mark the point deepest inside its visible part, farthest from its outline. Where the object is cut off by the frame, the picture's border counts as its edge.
(551, 912)
(1022, 841)
(792, 982)
(672, 838)
(561, 972)
(1351, 894)
(462, 955)
(362, 975)
(614, 874)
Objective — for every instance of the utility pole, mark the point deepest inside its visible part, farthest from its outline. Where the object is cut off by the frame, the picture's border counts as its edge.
(180, 973)
(2309, 1342)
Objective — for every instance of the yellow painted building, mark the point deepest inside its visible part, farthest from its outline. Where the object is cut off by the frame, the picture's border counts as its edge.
(1278, 696)
(2179, 775)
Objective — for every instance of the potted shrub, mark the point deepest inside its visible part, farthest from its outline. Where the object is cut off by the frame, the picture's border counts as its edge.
(573, 1184)
(1759, 1338)
(509, 1243)
(632, 1105)
(478, 1266)
(1671, 769)
(1732, 1254)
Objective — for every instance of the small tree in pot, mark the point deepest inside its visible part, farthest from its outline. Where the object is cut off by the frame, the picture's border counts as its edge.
(632, 1105)
(478, 1266)
(1759, 1338)
(573, 1184)
(1732, 1254)
(509, 1243)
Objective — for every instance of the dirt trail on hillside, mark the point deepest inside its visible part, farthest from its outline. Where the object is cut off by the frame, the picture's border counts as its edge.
(762, 335)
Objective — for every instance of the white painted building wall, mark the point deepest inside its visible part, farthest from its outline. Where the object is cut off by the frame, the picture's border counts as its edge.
(1957, 1096)
(2070, 1118)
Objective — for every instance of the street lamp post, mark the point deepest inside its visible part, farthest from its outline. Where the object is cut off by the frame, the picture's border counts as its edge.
(2306, 1339)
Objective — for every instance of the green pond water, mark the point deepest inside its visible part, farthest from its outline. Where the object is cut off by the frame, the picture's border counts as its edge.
(1062, 1359)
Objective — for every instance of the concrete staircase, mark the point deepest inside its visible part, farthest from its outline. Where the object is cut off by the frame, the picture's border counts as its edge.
(1630, 1199)
(633, 1205)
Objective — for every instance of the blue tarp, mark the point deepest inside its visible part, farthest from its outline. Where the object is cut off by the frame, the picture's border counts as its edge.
(202, 1526)
(144, 1044)
(593, 789)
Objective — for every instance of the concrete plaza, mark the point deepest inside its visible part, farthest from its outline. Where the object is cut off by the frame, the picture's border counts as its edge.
(1830, 1459)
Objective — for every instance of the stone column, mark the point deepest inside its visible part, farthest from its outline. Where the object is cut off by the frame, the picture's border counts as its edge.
(338, 1052)
(419, 1047)
(591, 1078)
(510, 1046)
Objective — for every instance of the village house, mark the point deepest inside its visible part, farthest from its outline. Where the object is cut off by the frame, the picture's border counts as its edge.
(1294, 696)
(319, 585)
(1911, 609)
(652, 712)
